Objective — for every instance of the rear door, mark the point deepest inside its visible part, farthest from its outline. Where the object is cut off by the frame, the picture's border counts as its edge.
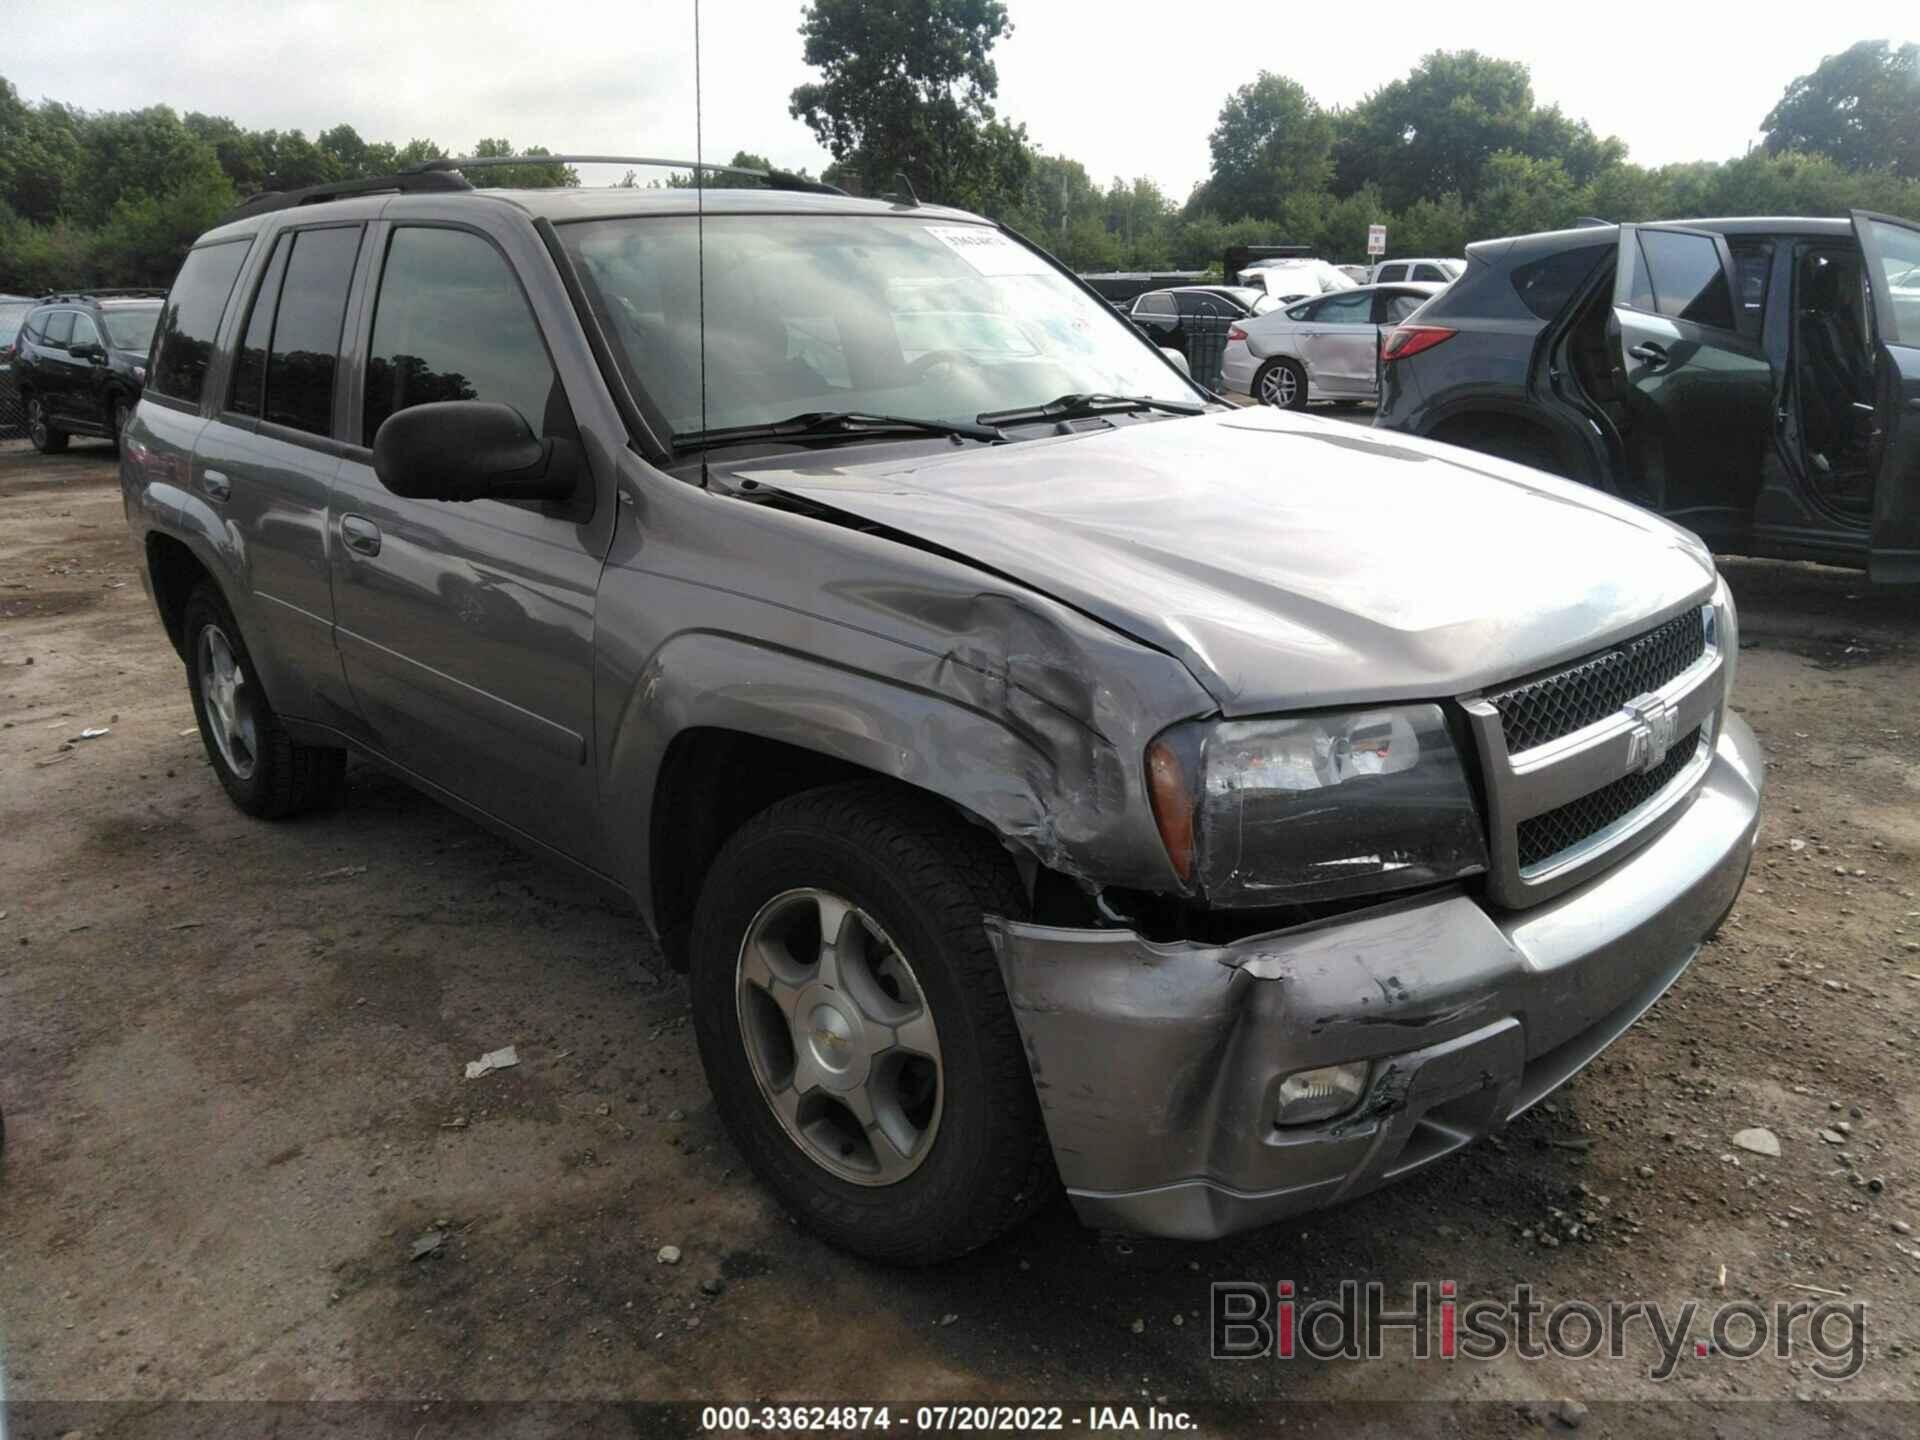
(1892, 251)
(1697, 386)
(53, 367)
(466, 629)
(1341, 346)
(266, 461)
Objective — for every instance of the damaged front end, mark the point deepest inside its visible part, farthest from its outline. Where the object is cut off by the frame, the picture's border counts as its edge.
(1160, 1066)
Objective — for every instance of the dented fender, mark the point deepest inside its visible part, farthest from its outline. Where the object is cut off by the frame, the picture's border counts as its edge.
(1022, 712)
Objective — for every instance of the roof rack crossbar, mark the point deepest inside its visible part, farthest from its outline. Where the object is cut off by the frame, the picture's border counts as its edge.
(774, 179)
(109, 292)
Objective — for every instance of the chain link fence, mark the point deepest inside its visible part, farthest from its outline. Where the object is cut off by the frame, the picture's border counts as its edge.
(13, 415)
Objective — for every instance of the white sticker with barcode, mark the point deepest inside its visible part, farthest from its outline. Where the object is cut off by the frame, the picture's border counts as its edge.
(988, 251)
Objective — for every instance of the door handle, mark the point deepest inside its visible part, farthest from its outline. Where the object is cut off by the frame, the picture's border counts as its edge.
(1654, 355)
(360, 534)
(218, 487)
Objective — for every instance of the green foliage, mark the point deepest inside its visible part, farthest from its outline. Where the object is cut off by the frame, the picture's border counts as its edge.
(1272, 142)
(907, 88)
(1860, 108)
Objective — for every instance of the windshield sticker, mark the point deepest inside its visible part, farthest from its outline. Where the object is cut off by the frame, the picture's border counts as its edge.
(988, 251)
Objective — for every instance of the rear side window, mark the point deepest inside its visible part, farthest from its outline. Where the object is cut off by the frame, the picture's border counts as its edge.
(1427, 272)
(1547, 284)
(306, 329)
(85, 332)
(183, 347)
(250, 363)
(1390, 272)
(451, 323)
(1681, 276)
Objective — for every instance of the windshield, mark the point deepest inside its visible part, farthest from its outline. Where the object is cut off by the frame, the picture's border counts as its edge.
(131, 327)
(884, 315)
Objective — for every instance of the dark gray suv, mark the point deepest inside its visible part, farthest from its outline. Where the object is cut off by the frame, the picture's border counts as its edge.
(1757, 381)
(1046, 776)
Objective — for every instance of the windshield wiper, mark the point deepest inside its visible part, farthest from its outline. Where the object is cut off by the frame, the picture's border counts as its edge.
(1079, 405)
(828, 424)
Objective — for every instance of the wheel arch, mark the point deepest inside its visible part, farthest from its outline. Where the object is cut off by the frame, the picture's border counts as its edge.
(174, 570)
(1471, 425)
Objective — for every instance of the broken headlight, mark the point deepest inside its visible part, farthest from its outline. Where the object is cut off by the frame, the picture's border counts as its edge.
(1315, 807)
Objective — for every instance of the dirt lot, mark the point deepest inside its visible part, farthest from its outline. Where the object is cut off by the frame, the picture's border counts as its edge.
(231, 1067)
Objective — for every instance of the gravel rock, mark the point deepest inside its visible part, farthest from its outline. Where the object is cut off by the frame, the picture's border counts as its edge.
(669, 1255)
(1570, 1413)
(1759, 1141)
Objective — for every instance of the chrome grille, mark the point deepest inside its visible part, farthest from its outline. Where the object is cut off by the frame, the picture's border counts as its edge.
(1556, 705)
(1544, 836)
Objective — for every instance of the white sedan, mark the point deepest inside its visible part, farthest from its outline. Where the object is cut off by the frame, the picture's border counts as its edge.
(1326, 348)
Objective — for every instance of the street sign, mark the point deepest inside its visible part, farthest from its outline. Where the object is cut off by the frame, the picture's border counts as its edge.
(1376, 239)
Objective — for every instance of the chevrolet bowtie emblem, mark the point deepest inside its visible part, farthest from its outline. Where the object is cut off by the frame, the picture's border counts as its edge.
(1652, 733)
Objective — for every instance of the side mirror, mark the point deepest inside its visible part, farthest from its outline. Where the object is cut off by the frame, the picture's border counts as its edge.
(1177, 360)
(87, 350)
(470, 450)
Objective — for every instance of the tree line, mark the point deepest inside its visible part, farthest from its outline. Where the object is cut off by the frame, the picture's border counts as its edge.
(1457, 150)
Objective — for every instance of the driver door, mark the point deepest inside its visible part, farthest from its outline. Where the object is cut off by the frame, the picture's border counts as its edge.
(1697, 384)
(1892, 251)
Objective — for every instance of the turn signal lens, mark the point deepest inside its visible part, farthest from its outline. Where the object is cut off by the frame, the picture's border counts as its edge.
(1405, 340)
(1234, 332)
(1320, 1094)
(1171, 795)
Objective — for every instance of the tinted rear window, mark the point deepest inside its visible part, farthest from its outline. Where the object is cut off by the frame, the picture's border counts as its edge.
(1681, 276)
(184, 345)
(1547, 284)
(306, 329)
(250, 363)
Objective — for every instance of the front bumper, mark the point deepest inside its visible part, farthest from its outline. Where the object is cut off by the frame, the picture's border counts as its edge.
(1158, 1065)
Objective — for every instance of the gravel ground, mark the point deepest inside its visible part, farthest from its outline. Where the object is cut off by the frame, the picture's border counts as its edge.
(231, 1065)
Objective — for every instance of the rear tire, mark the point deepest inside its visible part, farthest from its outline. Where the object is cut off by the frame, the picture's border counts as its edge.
(915, 883)
(264, 770)
(47, 438)
(1282, 383)
(118, 415)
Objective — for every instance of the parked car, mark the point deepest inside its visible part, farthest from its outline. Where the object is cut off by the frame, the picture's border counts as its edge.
(1047, 776)
(80, 362)
(1324, 349)
(1756, 380)
(1169, 316)
(1290, 280)
(13, 310)
(1440, 272)
(1358, 274)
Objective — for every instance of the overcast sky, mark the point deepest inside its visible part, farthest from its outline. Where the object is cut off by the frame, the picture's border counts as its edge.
(1115, 84)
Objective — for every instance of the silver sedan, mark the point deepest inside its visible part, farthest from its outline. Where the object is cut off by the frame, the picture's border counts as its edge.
(1326, 348)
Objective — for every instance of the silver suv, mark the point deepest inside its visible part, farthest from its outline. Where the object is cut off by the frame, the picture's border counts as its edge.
(1047, 776)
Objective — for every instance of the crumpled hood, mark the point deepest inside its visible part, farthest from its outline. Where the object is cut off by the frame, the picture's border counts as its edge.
(1286, 560)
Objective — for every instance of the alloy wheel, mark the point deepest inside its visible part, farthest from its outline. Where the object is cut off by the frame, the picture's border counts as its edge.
(1278, 385)
(840, 1036)
(36, 422)
(229, 703)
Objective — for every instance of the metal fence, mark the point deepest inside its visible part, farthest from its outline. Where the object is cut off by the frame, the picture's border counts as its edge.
(13, 415)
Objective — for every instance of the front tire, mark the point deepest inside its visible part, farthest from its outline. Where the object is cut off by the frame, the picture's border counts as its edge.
(47, 437)
(119, 413)
(854, 1027)
(1282, 383)
(263, 769)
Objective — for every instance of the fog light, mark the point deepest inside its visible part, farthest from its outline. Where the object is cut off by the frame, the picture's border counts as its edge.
(1320, 1094)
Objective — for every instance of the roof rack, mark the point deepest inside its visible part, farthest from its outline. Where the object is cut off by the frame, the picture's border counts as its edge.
(444, 175)
(104, 292)
(774, 179)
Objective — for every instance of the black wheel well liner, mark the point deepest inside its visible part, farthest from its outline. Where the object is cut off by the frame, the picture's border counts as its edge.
(174, 570)
(711, 782)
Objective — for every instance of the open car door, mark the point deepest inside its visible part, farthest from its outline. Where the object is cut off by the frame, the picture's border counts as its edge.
(1697, 385)
(1892, 251)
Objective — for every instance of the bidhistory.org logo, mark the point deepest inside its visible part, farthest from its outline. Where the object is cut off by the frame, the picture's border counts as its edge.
(1253, 1321)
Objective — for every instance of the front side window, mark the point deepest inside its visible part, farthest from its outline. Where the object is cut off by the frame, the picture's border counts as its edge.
(85, 332)
(59, 329)
(451, 323)
(1681, 276)
(936, 321)
(306, 329)
(1895, 272)
(183, 347)
(1159, 304)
